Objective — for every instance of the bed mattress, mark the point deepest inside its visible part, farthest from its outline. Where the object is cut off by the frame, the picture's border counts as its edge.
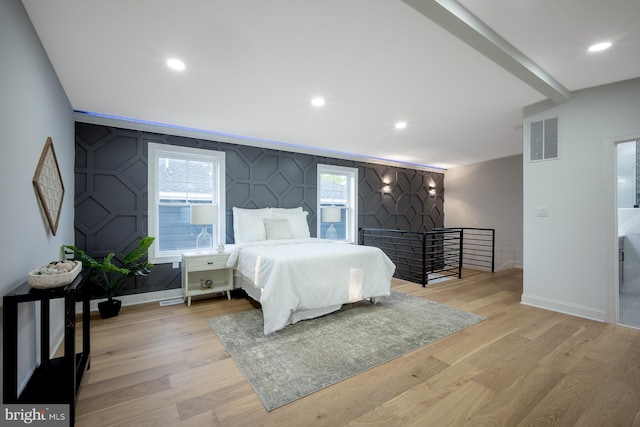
(295, 279)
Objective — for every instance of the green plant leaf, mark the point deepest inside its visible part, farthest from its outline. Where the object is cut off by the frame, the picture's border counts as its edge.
(113, 276)
(138, 252)
(80, 255)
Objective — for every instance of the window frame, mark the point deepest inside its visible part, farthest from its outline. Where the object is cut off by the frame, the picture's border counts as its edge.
(157, 150)
(352, 199)
(546, 125)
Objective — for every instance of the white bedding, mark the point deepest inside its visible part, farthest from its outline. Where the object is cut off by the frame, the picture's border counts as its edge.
(297, 275)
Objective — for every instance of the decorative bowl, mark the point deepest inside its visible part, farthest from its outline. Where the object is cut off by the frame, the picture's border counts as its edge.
(39, 279)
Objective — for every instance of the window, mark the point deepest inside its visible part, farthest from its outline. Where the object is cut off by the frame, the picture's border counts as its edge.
(337, 203)
(543, 137)
(178, 178)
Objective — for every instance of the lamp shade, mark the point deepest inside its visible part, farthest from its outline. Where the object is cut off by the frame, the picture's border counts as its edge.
(332, 214)
(204, 214)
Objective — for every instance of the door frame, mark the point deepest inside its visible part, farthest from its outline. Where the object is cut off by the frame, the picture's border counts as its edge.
(612, 298)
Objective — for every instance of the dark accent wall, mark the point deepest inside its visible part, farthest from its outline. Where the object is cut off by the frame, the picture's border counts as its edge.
(111, 191)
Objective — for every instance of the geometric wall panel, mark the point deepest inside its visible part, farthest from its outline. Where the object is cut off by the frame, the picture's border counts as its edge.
(114, 235)
(114, 192)
(111, 190)
(136, 174)
(90, 213)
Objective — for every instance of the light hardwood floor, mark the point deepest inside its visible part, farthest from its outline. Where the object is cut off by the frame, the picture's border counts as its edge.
(522, 366)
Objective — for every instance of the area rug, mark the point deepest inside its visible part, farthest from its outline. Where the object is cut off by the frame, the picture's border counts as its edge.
(310, 355)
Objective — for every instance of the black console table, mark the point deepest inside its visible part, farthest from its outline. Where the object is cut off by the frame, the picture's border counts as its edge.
(55, 381)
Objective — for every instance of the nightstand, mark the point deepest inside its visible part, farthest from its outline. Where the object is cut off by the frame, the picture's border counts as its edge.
(205, 273)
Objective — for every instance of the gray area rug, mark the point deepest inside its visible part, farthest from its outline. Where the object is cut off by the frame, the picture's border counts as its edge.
(310, 355)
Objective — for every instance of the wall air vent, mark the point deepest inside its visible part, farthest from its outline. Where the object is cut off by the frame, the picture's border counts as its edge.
(543, 139)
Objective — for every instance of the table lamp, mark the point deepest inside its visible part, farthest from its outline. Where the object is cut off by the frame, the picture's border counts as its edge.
(332, 214)
(204, 215)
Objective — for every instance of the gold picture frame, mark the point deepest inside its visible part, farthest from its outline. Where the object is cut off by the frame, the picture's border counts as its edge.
(48, 184)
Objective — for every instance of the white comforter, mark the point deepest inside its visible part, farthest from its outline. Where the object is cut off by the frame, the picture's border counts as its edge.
(305, 274)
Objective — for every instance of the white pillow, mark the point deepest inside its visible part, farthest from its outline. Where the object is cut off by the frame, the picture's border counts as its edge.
(277, 229)
(248, 225)
(297, 222)
(286, 210)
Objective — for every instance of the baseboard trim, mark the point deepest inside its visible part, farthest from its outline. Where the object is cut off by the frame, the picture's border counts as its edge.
(137, 299)
(562, 307)
(509, 264)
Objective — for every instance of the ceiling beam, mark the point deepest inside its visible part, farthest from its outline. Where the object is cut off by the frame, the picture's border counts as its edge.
(460, 22)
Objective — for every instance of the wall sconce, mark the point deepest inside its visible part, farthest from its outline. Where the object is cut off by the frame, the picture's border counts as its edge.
(386, 184)
(432, 191)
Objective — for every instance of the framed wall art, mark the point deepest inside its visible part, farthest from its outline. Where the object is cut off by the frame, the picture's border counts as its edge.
(48, 184)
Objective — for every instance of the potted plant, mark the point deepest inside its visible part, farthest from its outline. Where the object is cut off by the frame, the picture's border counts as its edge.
(110, 277)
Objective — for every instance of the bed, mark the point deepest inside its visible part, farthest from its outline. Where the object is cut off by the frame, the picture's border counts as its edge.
(296, 277)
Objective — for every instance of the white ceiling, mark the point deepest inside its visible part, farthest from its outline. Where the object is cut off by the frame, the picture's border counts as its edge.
(254, 65)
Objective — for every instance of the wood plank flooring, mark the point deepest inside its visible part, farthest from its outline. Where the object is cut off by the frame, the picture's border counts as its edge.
(522, 366)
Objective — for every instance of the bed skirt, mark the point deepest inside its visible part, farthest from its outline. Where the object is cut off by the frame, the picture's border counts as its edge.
(241, 282)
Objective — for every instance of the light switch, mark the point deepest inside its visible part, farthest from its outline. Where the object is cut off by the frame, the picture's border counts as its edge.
(542, 212)
(175, 265)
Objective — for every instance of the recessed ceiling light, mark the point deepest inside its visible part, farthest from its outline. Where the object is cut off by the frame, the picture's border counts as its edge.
(318, 101)
(401, 125)
(599, 47)
(175, 64)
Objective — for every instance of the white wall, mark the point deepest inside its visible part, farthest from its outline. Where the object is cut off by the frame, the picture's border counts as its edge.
(489, 195)
(570, 257)
(33, 106)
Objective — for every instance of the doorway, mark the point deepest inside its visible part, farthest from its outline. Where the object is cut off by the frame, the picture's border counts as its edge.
(628, 177)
